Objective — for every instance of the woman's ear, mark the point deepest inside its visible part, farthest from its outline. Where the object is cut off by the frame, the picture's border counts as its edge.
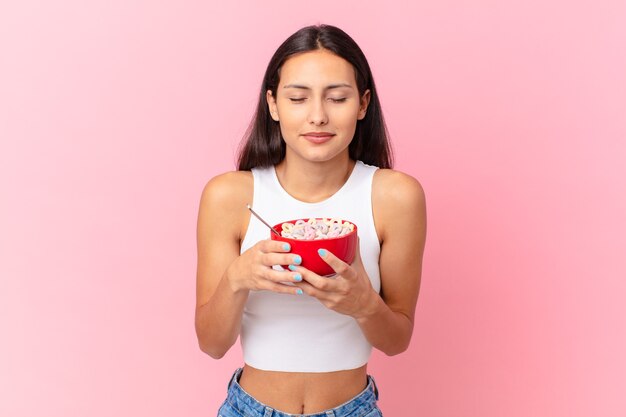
(365, 101)
(271, 104)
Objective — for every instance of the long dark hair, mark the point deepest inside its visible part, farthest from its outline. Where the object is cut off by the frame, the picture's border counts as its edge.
(263, 145)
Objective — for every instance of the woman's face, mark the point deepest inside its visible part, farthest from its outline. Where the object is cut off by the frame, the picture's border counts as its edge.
(317, 93)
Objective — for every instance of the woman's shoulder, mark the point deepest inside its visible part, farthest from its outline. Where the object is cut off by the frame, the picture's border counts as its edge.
(398, 200)
(396, 186)
(229, 189)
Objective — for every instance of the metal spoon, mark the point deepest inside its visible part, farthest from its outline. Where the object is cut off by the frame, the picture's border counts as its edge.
(264, 222)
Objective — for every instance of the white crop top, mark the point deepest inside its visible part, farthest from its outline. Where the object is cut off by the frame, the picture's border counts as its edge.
(297, 333)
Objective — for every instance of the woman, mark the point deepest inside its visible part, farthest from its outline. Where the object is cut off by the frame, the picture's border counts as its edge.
(317, 147)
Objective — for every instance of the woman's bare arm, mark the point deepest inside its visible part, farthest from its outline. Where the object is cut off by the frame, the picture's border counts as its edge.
(400, 207)
(224, 276)
(218, 307)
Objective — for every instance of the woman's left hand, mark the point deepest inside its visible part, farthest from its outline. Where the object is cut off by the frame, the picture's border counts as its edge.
(349, 292)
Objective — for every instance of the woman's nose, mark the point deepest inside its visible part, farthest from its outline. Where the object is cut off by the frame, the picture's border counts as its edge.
(317, 113)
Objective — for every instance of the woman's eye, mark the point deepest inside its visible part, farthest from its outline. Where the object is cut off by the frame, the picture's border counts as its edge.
(334, 100)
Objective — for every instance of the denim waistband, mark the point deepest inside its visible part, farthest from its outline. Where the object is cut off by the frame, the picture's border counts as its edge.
(243, 401)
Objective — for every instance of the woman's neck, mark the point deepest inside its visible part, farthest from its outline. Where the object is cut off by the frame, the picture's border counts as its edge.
(312, 182)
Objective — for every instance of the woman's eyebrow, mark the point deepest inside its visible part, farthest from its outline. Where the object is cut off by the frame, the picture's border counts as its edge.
(304, 87)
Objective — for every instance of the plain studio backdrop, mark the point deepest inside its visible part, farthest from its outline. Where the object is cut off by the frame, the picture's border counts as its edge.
(512, 115)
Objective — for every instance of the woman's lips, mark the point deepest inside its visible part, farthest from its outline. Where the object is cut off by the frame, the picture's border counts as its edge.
(318, 139)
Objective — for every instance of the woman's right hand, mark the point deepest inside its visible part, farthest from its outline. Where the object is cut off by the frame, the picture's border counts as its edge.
(252, 270)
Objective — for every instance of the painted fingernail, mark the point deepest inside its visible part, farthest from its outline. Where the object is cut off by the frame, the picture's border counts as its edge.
(322, 252)
(297, 277)
(297, 259)
(286, 246)
(299, 291)
(292, 267)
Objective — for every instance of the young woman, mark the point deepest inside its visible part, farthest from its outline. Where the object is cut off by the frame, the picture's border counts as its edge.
(317, 147)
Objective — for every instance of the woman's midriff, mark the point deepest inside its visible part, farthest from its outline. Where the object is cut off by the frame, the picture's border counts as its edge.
(303, 392)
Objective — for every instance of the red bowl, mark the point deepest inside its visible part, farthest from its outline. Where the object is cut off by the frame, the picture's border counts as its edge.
(343, 247)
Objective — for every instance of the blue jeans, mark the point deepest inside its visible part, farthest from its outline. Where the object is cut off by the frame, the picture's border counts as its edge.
(239, 403)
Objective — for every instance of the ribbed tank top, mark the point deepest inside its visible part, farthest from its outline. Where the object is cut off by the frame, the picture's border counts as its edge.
(297, 333)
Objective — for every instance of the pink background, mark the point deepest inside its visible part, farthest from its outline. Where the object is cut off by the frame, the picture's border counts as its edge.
(114, 114)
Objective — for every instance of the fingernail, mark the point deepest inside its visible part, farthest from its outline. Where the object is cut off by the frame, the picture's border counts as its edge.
(292, 267)
(322, 252)
(297, 277)
(297, 259)
(299, 291)
(286, 246)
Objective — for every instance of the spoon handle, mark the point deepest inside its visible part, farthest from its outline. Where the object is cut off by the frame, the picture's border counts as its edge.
(264, 222)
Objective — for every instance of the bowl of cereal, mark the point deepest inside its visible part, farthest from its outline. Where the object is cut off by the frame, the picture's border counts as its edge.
(306, 236)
